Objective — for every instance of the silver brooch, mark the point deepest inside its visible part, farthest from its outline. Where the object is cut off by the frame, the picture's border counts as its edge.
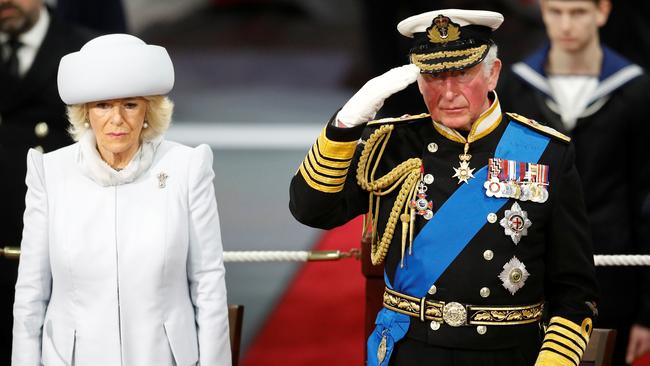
(514, 275)
(516, 223)
(162, 179)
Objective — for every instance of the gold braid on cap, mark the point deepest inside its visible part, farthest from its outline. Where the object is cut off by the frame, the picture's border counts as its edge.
(406, 175)
(471, 54)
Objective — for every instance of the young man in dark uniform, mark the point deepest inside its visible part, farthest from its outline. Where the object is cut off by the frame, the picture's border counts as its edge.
(476, 214)
(579, 86)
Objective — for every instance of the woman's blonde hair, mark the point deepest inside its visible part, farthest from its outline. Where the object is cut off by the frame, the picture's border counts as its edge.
(158, 116)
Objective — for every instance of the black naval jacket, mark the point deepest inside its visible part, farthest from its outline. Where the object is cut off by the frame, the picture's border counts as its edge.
(31, 115)
(610, 140)
(556, 252)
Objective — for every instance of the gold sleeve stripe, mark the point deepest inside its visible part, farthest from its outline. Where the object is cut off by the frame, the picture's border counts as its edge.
(326, 165)
(562, 348)
(579, 333)
(550, 357)
(335, 149)
(330, 163)
(332, 172)
(323, 179)
(564, 342)
(317, 186)
(569, 342)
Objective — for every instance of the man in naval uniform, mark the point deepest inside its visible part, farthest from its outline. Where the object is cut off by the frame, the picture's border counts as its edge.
(476, 214)
(578, 86)
(32, 41)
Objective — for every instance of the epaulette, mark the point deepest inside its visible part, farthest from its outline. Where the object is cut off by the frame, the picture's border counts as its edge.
(404, 118)
(539, 127)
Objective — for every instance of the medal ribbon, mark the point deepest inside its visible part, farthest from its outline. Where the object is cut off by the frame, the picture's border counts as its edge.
(452, 227)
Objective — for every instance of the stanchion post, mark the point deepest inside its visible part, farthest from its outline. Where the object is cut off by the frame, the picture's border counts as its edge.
(10, 252)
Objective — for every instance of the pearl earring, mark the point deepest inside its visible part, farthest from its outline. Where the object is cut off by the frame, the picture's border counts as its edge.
(145, 125)
(86, 125)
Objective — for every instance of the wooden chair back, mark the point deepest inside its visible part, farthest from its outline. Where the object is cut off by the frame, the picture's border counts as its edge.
(600, 348)
(235, 322)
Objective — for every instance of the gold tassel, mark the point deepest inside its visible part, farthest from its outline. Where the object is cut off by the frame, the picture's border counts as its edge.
(405, 224)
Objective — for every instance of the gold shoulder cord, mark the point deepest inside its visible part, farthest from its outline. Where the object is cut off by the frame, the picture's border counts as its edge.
(406, 174)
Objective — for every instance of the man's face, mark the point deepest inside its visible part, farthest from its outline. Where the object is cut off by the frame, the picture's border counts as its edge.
(18, 16)
(457, 98)
(573, 25)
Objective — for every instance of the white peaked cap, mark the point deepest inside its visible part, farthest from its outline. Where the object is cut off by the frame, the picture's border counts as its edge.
(419, 23)
(114, 66)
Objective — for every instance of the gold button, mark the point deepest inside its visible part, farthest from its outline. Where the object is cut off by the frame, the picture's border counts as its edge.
(481, 329)
(432, 290)
(434, 325)
(428, 179)
(492, 217)
(41, 129)
(516, 275)
(485, 292)
(488, 255)
(432, 147)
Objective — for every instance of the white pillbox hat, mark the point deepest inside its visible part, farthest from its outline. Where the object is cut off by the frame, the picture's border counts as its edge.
(114, 66)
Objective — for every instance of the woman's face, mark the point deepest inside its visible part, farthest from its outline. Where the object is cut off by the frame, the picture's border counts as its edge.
(117, 124)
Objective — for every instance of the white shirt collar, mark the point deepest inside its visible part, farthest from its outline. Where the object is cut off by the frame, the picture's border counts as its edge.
(34, 37)
(31, 41)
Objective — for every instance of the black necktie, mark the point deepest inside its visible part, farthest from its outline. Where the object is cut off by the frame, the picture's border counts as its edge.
(11, 64)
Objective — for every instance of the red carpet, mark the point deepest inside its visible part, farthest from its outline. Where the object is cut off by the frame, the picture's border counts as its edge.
(643, 360)
(319, 320)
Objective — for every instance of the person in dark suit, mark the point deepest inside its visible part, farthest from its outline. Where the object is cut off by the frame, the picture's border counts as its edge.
(581, 87)
(476, 214)
(32, 41)
(104, 16)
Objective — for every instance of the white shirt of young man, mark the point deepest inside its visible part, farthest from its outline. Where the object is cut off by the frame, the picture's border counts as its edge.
(572, 94)
(31, 42)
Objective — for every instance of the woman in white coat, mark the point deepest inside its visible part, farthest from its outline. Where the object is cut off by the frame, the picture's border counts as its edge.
(121, 258)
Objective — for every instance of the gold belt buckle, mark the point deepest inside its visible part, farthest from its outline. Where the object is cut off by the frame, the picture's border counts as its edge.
(454, 314)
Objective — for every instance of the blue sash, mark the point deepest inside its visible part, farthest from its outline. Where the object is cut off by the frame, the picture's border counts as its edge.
(452, 227)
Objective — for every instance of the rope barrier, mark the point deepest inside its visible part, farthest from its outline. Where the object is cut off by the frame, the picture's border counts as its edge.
(622, 260)
(266, 256)
(289, 256)
(245, 256)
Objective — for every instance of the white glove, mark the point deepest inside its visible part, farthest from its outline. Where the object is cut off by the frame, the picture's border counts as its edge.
(363, 105)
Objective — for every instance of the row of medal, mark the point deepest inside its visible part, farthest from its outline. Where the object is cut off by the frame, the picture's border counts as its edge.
(519, 180)
(506, 179)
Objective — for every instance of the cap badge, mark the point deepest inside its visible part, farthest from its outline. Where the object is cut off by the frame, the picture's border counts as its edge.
(443, 30)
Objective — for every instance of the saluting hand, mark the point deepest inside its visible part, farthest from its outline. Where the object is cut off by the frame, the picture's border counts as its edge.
(363, 105)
